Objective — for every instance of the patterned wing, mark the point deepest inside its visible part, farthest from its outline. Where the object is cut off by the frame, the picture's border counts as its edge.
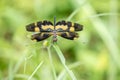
(45, 26)
(63, 26)
(69, 35)
(40, 36)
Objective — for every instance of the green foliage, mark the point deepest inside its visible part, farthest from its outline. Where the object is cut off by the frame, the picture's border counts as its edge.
(94, 56)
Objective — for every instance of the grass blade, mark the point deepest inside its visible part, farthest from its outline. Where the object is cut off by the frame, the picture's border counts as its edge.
(71, 74)
(51, 62)
(35, 71)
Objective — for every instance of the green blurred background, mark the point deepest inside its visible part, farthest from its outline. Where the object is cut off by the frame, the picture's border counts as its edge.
(94, 56)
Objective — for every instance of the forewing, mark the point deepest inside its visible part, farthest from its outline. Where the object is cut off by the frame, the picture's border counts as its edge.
(63, 26)
(41, 26)
(74, 27)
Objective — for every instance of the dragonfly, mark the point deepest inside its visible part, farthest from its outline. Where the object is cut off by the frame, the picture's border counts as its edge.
(44, 29)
